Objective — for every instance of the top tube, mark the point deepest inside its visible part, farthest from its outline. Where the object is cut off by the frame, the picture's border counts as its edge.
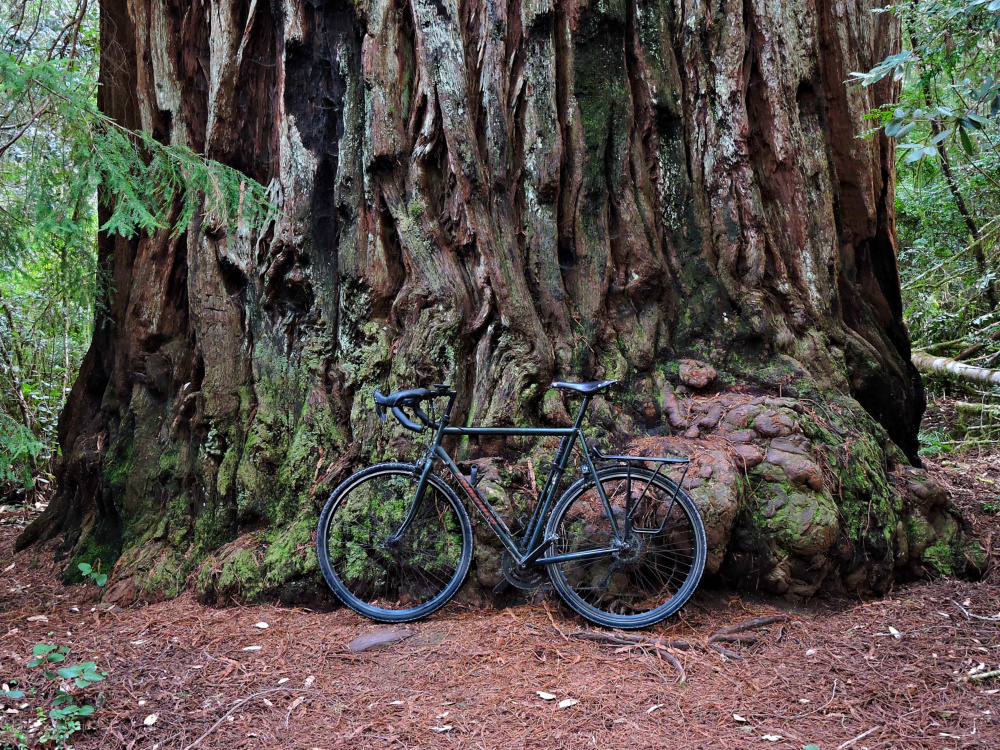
(541, 431)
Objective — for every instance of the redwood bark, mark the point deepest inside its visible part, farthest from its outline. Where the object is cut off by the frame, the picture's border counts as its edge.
(490, 193)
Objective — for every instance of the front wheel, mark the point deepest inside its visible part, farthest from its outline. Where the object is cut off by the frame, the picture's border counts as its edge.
(382, 577)
(653, 569)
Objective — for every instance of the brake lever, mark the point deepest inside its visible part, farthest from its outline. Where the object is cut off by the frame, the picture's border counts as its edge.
(379, 409)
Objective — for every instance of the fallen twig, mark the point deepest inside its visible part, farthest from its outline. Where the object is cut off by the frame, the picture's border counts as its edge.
(725, 651)
(859, 737)
(985, 675)
(757, 622)
(970, 616)
(675, 663)
(796, 717)
(738, 638)
(553, 621)
(241, 702)
(732, 634)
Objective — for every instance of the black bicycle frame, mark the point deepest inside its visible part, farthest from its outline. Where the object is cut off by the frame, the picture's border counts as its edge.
(531, 548)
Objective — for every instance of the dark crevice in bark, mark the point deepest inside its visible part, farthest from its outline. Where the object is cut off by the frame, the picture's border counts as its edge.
(192, 65)
(490, 194)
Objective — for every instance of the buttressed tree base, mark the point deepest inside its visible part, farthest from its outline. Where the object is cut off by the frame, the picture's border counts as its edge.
(493, 194)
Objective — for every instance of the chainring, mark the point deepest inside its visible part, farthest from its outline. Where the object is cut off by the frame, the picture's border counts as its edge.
(522, 578)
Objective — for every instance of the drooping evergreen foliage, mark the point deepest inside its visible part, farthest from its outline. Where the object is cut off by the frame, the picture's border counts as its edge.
(60, 156)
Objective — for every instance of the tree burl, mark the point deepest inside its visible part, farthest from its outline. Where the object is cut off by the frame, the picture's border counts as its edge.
(496, 194)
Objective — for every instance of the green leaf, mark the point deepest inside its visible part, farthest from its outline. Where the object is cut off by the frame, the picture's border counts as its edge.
(85, 568)
(101, 579)
(81, 682)
(967, 145)
(906, 129)
(56, 657)
(940, 137)
(68, 673)
(88, 710)
(40, 649)
(810, 747)
(13, 693)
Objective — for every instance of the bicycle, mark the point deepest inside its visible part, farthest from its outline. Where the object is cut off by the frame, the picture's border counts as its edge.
(624, 546)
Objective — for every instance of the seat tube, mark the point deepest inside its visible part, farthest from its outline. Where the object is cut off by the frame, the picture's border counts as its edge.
(535, 525)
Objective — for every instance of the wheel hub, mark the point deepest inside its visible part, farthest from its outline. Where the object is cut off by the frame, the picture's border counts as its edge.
(631, 551)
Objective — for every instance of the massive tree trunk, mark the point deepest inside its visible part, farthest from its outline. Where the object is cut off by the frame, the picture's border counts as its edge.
(494, 193)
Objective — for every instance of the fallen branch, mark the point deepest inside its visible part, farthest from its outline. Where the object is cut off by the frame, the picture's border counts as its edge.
(725, 651)
(626, 639)
(976, 410)
(954, 369)
(736, 638)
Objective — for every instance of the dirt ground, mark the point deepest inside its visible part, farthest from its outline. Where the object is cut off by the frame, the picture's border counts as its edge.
(889, 673)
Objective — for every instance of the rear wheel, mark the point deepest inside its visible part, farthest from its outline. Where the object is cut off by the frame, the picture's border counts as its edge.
(653, 570)
(387, 579)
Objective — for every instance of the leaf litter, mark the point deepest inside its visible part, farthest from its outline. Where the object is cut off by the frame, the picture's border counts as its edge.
(913, 691)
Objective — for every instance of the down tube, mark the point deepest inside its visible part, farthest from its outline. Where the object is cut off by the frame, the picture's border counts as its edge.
(485, 509)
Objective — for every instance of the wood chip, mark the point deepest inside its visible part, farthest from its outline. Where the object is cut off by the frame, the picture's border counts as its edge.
(379, 638)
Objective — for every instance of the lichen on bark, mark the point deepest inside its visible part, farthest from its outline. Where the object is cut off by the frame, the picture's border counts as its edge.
(494, 194)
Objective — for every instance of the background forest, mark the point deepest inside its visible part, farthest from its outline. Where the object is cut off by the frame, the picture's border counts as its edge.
(57, 151)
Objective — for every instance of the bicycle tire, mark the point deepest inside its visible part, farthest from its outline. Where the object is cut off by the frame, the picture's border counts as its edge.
(649, 582)
(374, 580)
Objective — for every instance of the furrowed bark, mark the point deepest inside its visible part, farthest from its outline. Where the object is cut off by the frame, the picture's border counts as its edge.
(491, 193)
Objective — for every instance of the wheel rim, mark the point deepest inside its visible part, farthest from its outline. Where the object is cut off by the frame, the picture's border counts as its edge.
(393, 575)
(650, 570)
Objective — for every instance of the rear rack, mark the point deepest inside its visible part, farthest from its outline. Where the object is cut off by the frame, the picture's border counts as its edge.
(660, 461)
(639, 459)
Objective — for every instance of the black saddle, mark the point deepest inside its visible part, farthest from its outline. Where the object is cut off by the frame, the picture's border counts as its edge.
(594, 386)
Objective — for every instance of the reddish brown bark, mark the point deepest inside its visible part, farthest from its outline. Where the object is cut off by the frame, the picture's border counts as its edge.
(490, 193)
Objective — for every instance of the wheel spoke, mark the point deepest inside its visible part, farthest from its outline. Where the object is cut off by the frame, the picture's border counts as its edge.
(387, 580)
(641, 582)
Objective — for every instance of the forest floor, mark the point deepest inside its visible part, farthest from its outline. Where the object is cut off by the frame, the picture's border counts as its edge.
(895, 672)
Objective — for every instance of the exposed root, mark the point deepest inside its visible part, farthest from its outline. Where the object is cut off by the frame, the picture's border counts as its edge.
(732, 634)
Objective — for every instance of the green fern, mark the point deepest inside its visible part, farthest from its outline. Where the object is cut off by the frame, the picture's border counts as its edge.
(18, 450)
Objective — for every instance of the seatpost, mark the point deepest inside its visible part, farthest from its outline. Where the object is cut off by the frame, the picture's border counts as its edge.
(583, 410)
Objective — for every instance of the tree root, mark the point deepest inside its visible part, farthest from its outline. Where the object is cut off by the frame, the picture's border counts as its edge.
(665, 649)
